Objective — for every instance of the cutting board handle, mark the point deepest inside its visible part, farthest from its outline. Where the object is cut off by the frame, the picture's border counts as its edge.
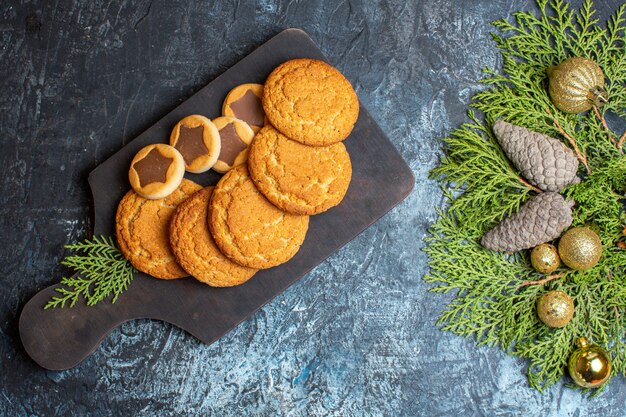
(61, 338)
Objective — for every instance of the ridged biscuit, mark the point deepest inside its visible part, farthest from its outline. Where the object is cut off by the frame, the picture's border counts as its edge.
(142, 228)
(195, 249)
(311, 102)
(249, 229)
(245, 102)
(297, 178)
(235, 137)
(156, 171)
(198, 140)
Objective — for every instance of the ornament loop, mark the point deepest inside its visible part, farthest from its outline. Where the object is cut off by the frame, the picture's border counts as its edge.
(582, 342)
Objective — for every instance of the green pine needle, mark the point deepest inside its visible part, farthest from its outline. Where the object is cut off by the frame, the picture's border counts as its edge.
(101, 270)
(481, 188)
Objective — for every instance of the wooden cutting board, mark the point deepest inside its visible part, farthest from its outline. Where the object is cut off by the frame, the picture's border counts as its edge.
(61, 338)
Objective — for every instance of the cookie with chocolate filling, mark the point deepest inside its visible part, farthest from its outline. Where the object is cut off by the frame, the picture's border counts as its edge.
(244, 102)
(297, 178)
(142, 230)
(195, 249)
(247, 228)
(235, 136)
(156, 171)
(198, 140)
(310, 102)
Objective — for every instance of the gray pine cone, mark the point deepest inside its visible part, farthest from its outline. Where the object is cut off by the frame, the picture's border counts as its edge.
(541, 219)
(544, 161)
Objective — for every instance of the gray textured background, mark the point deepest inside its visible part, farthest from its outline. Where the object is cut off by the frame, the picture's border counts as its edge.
(354, 337)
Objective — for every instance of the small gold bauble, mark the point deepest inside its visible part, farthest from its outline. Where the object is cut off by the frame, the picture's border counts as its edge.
(590, 365)
(580, 248)
(545, 258)
(576, 84)
(555, 308)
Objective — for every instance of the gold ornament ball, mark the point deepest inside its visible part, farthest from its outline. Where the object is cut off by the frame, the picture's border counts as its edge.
(576, 84)
(555, 308)
(545, 258)
(580, 248)
(590, 365)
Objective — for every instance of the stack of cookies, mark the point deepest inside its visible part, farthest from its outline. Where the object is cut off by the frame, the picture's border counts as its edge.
(280, 148)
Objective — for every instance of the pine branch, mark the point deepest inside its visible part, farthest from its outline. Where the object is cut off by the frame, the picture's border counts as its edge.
(101, 272)
(603, 120)
(581, 157)
(543, 281)
(495, 294)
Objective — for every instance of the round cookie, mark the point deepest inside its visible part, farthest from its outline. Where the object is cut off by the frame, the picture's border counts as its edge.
(244, 102)
(142, 229)
(235, 136)
(198, 141)
(247, 228)
(156, 171)
(310, 102)
(195, 249)
(297, 178)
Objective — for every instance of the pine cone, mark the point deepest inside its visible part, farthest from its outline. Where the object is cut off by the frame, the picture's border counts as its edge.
(541, 219)
(544, 161)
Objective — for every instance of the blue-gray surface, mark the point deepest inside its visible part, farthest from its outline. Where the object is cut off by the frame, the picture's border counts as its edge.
(356, 336)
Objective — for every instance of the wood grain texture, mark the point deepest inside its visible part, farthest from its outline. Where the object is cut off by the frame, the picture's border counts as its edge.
(59, 339)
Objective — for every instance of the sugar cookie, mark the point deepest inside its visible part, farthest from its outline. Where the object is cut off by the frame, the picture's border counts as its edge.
(297, 178)
(195, 249)
(310, 102)
(142, 229)
(247, 228)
